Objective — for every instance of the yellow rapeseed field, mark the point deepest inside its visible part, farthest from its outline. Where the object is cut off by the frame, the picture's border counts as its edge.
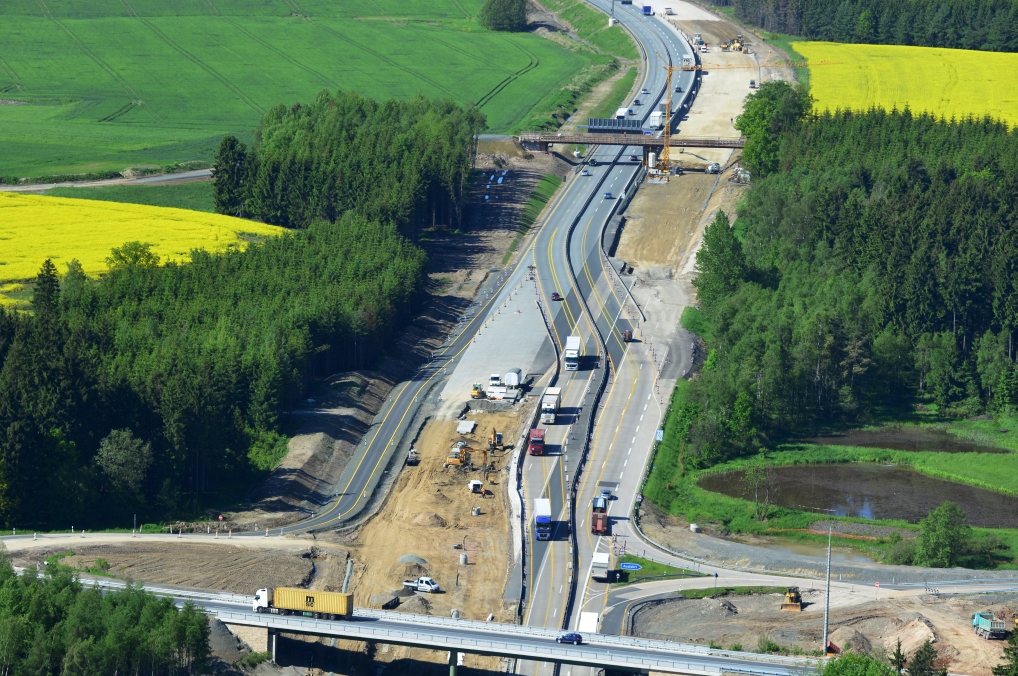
(36, 227)
(945, 82)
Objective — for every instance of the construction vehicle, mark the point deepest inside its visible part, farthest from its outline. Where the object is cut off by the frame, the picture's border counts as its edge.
(535, 442)
(495, 441)
(724, 46)
(475, 486)
(549, 404)
(697, 39)
(321, 605)
(793, 600)
(988, 626)
(422, 584)
(477, 392)
(627, 336)
(412, 457)
(459, 456)
(599, 516)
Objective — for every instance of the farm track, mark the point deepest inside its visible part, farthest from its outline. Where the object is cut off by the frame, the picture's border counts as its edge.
(534, 63)
(10, 72)
(193, 59)
(269, 46)
(466, 15)
(123, 110)
(378, 55)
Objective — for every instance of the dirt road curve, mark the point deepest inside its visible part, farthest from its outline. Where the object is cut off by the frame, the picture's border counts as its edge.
(197, 175)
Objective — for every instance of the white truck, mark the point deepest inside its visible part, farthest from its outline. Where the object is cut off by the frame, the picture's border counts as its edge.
(542, 518)
(622, 113)
(572, 353)
(657, 120)
(549, 404)
(599, 563)
(513, 378)
(422, 584)
(495, 380)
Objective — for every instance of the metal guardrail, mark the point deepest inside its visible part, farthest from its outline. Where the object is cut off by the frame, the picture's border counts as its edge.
(533, 137)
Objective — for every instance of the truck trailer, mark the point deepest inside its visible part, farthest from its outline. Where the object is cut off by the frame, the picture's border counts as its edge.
(320, 605)
(988, 626)
(549, 404)
(572, 353)
(513, 378)
(599, 517)
(542, 518)
(657, 120)
(622, 114)
(648, 10)
(535, 442)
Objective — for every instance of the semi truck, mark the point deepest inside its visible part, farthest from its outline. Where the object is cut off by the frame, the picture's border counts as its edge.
(321, 605)
(988, 626)
(657, 120)
(648, 10)
(572, 353)
(549, 404)
(622, 113)
(599, 516)
(535, 442)
(542, 518)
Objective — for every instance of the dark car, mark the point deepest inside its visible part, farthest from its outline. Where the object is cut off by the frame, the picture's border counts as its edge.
(634, 158)
(571, 637)
(607, 195)
(556, 295)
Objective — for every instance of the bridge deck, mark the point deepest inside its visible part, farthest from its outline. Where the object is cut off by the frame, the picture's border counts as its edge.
(537, 138)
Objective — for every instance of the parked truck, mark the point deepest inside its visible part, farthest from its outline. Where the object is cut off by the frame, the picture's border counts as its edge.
(513, 378)
(599, 516)
(572, 353)
(422, 584)
(494, 380)
(988, 626)
(542, 518)
(549, 404)
(535, 442)
(657, 120)
(320, 605)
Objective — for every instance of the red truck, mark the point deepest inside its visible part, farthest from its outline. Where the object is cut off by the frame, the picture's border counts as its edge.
(535, 443)
(599, 517)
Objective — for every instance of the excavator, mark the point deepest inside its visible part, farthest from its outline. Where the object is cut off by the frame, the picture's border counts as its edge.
(495, 441)
(459, 456)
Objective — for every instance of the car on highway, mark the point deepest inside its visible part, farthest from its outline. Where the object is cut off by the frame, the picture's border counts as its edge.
(634, 158)
(636, 102)
(571, 637)
(556, 295)
(584, 173)
(606, 493)
(645, 91)
(678, 89)
(607, 195)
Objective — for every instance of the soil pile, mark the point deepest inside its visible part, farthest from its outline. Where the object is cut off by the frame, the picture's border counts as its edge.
(429, 520)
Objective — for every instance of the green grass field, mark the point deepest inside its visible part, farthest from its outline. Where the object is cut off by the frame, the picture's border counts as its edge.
(196, 195)
(949, 83)
(140, 82)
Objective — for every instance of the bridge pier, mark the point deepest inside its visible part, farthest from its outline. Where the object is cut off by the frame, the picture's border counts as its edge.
(454, 658)
(273, 639)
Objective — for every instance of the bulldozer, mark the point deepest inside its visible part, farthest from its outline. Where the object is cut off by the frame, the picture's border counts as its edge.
(793, 600)
(477, 391)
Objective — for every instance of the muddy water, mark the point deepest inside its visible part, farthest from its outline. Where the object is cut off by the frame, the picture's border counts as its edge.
(871, 491)
(906, 439)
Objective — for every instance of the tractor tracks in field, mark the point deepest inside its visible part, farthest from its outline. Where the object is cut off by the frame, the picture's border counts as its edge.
(192, 58)
(497, 89)
(269, 46)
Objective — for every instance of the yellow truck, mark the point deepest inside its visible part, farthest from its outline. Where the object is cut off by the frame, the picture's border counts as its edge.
(321, 605)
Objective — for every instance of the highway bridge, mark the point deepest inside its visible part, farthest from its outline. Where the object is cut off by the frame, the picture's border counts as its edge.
(533, 140)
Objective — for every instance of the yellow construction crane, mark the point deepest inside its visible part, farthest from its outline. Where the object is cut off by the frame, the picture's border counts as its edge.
(664, 161)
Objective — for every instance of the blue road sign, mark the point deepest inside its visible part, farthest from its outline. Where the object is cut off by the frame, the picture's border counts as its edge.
(631, 566)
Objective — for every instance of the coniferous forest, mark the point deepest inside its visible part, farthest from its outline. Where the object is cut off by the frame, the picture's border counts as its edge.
(872, 269)
(990, 25)
(145, 389)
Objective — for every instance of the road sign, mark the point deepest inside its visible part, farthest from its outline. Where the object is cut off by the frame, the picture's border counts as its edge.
(660, 435)
(630, 566)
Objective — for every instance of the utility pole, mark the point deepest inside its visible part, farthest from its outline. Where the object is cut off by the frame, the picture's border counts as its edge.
(827, 602)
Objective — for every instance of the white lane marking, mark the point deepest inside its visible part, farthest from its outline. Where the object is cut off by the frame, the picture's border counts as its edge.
(560, 589)
(530, 466)
(650, 395)
(633, 441)
(630, 451)
(625, 463)
(637, 429)
(641, 417)
(645, 406)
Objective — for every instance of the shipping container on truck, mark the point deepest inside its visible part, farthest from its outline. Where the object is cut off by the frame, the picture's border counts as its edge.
(542, 518)
(322, 605)
(572, 353)
(535, 443)
(513, 378)
(549, 404)
(599, 516)
(648, 10)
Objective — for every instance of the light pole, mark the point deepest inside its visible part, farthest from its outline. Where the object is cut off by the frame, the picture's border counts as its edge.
(827, 602)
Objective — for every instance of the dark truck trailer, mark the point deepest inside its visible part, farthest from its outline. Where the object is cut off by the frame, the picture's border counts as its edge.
(599, 517)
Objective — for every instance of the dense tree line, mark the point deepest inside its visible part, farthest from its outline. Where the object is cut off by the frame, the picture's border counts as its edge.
(960, 24)
(872, 268)
(504, 15)
(142, 390)
(402, 162)
(55, 625)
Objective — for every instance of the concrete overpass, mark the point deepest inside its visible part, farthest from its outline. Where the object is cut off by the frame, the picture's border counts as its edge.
(533, 140)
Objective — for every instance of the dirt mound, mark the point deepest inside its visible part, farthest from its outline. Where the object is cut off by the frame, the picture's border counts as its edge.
(717, 608)
(413, 570)
(847, 638)
(913, 634)
(418, 605)
(410, 558)
(434, 498)
(429, 520)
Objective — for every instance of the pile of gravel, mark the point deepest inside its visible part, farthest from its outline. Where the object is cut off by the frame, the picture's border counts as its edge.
(411, 558)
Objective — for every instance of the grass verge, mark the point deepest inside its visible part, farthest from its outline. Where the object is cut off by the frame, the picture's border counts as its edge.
(196, 195)
(798, 61)
(696, 322)
(651, 569)
(538, 201)
(729, 591)
(618, 94)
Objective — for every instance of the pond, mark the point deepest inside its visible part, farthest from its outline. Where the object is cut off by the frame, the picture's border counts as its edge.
(906, 439)
(870, 491)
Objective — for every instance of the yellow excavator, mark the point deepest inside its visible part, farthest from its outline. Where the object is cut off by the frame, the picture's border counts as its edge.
(495, 441)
